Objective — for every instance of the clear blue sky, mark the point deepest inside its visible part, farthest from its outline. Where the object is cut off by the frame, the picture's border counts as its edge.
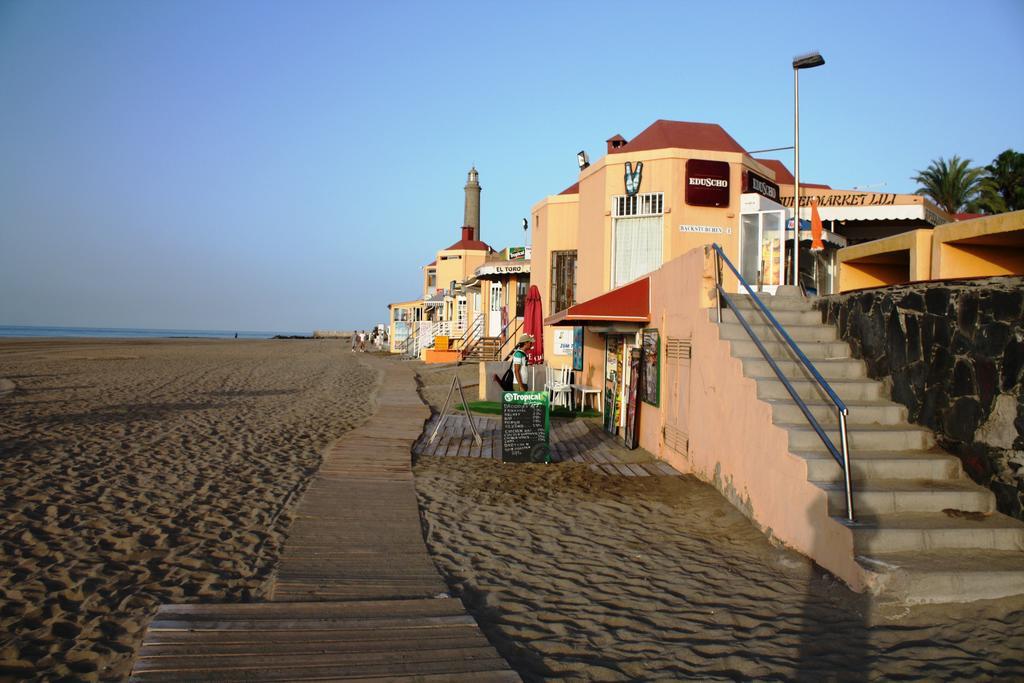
(290, 165)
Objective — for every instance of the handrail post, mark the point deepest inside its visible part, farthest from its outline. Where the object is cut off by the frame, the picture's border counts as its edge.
(718, 282)
(844, 444)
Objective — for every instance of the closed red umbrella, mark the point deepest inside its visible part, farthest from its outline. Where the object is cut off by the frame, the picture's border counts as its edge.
(533, 325)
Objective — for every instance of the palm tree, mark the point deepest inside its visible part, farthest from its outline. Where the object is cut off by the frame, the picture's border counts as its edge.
(1002, 188)
(952, 185)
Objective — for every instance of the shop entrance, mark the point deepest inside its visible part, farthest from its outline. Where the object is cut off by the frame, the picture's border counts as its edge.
(762, 231)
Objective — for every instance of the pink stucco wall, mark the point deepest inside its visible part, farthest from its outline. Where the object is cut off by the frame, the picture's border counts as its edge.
(733, 443)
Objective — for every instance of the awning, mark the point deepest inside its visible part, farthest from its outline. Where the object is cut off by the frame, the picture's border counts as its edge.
(826, 236)
(892, 212)
(627, 304)
(495, 270)
(436, 300)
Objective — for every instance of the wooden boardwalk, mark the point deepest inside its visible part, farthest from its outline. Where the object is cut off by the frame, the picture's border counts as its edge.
(356, 596)
(571, 441)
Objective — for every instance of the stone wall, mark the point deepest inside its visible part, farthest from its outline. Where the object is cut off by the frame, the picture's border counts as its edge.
(953, 353)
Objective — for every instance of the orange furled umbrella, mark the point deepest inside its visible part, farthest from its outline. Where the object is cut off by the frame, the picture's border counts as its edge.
(816, 229)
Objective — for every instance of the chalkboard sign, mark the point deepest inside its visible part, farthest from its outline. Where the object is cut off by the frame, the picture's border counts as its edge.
(525, 423)
(631, 436)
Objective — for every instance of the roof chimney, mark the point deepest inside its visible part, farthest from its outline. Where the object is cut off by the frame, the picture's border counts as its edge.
(467, 232)
(614, 142)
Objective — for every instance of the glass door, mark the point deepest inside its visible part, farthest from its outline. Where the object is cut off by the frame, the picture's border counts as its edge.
(761, 253)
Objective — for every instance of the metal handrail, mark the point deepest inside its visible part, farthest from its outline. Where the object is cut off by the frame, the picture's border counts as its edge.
(466, 342)
(509, 338)
(842, 457)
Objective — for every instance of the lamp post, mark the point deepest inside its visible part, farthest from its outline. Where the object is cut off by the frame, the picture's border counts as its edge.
(808, 61)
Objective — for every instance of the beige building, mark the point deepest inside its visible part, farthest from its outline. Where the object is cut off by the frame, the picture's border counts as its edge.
(472, 296)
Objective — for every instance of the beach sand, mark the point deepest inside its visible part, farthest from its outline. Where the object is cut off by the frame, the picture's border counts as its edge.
(148, 471)
(576, 575)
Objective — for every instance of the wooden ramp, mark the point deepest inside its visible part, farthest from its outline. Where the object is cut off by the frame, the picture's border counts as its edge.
(356, 596)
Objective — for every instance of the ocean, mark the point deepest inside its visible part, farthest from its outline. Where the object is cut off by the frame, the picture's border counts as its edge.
(132, 333)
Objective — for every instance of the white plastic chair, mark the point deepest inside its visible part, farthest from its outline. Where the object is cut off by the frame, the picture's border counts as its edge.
(558, 385)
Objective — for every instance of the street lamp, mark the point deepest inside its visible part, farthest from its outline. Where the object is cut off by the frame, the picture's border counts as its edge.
(808, 61)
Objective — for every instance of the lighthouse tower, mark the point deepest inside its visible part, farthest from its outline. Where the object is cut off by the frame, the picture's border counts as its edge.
(471, 217)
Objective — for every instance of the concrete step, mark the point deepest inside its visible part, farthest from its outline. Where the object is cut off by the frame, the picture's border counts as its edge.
(915, 532)
(945, 575)
(815, 351)
(756, 315)
(846, 368)
(860, 412)
(884, 497)
(846, 389)
(774, 303)
(883, 465)
(898, 437)
(765, 332)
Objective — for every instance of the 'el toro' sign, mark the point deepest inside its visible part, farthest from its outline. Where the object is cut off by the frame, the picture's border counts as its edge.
(525, 423)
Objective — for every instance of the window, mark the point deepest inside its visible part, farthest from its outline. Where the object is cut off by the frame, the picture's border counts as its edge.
(431, 279)
(638, 235)
(460, 313)
(563, 280)
(650, 204)
(521, 286)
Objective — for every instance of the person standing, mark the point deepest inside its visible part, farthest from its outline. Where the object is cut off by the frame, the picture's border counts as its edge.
(519, 362)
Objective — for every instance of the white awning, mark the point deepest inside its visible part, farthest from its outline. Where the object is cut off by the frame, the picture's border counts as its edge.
(894, 212)
(826, 236)
(494, 270)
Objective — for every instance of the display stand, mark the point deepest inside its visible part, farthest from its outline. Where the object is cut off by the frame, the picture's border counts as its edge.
(465, 406)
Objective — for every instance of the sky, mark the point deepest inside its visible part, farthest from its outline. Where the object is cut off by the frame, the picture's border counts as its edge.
(290, 166)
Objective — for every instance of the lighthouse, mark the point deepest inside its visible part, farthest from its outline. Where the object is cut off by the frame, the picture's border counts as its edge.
(471, 217)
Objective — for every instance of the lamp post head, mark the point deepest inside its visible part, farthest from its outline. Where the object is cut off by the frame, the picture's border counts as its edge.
(808, 61)
(583, 159)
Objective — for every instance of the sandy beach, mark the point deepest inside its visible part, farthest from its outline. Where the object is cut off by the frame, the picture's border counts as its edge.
(575, 575)
(148, 471)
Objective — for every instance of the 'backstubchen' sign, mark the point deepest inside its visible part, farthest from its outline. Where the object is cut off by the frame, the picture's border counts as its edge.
(707, 183)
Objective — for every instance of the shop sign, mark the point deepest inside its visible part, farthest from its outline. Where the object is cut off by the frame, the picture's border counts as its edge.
(504, 269)
(633, 177)
(563, 342)
(762, 186)
(707, 183)
(577, 349)
(516, 253)
(859, 199)
(705, 229)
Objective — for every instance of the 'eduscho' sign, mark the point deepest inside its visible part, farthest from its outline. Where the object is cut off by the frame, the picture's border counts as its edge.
(707, 183)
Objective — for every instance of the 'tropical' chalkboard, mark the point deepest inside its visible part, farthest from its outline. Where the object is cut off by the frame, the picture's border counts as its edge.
(525, 422)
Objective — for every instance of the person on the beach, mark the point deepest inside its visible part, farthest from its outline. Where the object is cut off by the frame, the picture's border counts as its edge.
(355, 340)
(519, 361)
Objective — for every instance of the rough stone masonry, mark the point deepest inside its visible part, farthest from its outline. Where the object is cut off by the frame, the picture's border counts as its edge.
(953, 353)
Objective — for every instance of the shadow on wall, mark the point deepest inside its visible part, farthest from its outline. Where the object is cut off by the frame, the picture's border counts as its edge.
(953, 353)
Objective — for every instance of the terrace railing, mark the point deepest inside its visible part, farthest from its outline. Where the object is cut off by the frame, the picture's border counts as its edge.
(841, 454)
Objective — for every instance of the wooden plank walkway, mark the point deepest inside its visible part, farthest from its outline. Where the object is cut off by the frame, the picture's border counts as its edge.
(356, 596)
(571, 441)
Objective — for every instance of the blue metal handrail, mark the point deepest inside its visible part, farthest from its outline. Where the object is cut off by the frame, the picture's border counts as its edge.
(842, 456)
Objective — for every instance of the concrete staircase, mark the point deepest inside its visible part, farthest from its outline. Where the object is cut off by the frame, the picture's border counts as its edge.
(484, 349)
(924, 532)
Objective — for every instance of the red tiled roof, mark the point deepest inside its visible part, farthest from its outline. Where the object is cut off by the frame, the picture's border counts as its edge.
(683, 134)
(783, 175)
(470, 245)
(432, 263)
(629, 303)
(572, 189)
